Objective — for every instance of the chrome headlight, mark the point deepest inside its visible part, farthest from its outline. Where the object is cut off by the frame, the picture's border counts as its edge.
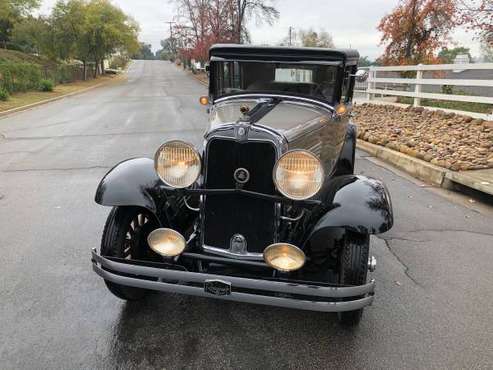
(166, 242)
(284, 257)
(177, 164)
(298, 175)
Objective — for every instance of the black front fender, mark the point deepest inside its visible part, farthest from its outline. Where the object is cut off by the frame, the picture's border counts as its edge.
(358, 203)
(133, 182)
(345, 163)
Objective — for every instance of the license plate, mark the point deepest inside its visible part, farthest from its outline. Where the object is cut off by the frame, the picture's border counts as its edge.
(217, 287)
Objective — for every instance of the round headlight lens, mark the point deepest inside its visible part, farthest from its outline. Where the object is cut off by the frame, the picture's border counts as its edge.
(166, 242)
(177, 164)
(298, 175)
(284, 257)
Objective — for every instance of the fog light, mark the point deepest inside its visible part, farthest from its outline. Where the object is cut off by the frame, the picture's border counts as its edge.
(284, 257)
(166, 242)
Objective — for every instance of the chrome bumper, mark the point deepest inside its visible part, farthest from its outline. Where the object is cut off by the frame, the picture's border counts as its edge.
(193, 283)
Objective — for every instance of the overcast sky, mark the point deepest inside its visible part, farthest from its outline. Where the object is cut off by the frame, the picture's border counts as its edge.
(352, 23)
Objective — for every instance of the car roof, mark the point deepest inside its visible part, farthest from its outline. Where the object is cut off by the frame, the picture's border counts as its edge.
(283, 53)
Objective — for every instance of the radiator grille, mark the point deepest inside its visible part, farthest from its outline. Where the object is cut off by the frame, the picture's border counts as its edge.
(227, 215)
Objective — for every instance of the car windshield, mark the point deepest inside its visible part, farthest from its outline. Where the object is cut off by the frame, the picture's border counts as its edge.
(314, 80)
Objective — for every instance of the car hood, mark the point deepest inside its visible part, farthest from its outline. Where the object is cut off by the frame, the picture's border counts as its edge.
(288, 117)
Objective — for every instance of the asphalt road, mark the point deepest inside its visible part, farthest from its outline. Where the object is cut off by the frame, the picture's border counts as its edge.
(434, 300)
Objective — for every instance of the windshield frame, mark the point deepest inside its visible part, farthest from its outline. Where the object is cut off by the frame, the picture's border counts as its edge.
(339, 77)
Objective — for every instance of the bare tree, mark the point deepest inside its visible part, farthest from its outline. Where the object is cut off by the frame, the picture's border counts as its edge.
(478, 18)
(261, 10)
(310, 38)
(200, 23)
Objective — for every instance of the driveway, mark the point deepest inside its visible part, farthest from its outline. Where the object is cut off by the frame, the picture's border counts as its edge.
(433, 306)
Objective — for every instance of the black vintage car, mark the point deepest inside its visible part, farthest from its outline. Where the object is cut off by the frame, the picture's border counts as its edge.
(269, 211)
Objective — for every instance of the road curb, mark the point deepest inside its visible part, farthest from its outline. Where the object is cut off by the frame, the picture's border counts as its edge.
(50, 100)
(425, 171)
(418, 168)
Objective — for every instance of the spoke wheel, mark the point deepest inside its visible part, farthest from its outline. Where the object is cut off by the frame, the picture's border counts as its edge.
(125, 236)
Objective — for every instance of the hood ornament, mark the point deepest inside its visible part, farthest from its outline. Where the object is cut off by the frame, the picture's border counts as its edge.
(244, 109)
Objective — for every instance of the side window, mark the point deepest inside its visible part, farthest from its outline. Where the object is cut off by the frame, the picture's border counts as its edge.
(217, 78)
(231, 77)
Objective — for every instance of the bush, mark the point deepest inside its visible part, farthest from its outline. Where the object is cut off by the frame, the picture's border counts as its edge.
(46, 85)
(4, 95)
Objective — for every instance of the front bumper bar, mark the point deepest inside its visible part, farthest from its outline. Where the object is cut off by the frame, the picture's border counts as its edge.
(242, 289)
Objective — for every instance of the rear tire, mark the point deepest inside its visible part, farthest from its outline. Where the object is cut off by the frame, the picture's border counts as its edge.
(125, 236)
(353, 270)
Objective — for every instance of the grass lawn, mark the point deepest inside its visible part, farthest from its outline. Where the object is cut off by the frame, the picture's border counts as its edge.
(19, 57)
(456, 105)
(31, 97)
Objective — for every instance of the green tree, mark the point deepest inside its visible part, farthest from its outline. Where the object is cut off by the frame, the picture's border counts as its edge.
(12, 12)
(69, 32)
(365, 62)
(447, 56)
(145, 52)
(109, 31)
(33, 35)
(91, 31)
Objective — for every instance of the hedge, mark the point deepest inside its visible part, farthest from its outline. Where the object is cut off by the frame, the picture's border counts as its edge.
(15, 77)
(23, 76)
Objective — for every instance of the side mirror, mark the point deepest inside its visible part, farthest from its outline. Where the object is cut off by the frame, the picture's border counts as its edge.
(361, 75)
(206, 67)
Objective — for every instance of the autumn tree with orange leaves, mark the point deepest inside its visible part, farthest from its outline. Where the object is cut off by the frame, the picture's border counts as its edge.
(416, 29)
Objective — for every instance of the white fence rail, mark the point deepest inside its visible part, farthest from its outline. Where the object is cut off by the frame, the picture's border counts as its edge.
(393, 84)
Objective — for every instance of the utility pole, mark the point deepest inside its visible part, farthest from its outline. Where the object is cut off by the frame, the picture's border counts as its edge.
(171, 39)
(290, 35)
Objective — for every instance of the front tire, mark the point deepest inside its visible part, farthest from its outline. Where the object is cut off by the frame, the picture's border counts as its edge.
(125, 236)
(353, 270)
